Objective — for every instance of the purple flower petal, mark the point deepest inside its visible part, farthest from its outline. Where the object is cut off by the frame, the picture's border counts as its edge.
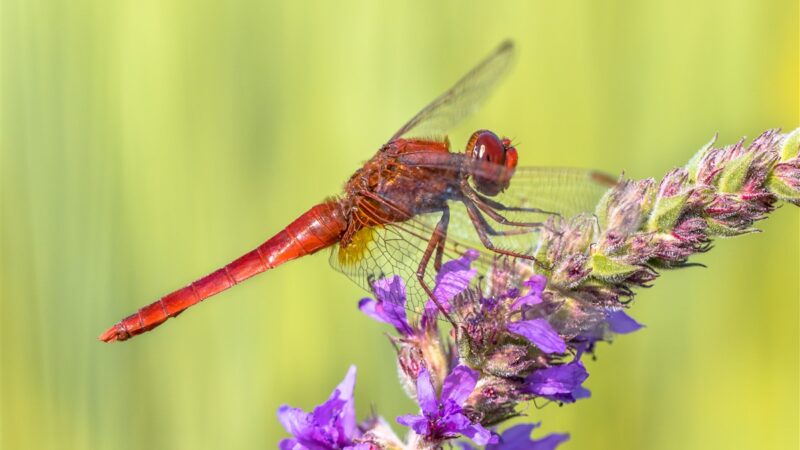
(526, 300)
(294, 420)
(332, 425)
(372, 308)
(454, 277)
(342, 406)
(389, 307)
(444, 418)
(621, 323)
(518, 437)
(290, 444)
(430, 314)
(580, 392)
(426, 394)
(540, 333)
(536, 283)
(348, 384)
(459, 384)
(536, 286)
(549, 442)
(417, 423)
(560, 383)
(454, 422)
(480, 435)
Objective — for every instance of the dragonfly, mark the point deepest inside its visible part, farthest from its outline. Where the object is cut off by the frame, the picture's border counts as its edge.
(410, 206)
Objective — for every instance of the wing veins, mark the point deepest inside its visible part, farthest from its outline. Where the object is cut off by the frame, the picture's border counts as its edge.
(465, 96)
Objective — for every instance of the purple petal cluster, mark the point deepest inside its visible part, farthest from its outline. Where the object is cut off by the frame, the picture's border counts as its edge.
(331, 426)
(621, 323)
(521, 335)
(444, 417)
(540, 333)
(518, 437)
(562, 383)
(535, 285)
(453, 279)
(389, 305)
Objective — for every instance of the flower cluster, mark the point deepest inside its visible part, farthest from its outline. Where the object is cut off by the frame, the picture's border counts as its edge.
(521, 335)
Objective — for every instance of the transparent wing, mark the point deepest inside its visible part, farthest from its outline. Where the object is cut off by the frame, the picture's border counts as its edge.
(562, 190)
(462, 99)
(395, 249)
(398, 249)
(534, 196)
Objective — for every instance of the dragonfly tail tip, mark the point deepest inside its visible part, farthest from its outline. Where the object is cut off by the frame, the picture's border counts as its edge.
(110, 335)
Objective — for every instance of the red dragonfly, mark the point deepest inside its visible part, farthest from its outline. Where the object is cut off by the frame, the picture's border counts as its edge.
(414, 202)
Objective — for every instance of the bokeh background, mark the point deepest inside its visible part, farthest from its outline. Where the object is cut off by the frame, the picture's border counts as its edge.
(146, 143)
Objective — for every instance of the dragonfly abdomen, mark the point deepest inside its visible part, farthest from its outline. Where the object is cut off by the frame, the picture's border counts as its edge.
(318, 228)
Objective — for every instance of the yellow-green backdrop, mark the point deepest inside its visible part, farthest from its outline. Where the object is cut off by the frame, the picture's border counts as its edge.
(145, 143)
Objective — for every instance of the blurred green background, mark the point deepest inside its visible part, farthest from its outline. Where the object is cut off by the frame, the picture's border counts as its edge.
(147, 143)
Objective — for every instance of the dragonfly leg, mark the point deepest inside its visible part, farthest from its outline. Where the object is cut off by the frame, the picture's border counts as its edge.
(484, 230)
(437, 240)
(437, 261)
(522, 227)
(502, 207)
(499, 218)
(489, 207)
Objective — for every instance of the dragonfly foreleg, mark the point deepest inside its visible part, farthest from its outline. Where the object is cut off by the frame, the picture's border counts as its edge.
(437, 241)
(490, 230)
(502, 207)
(522, 227)
(444, 222)
(488, 206)
(499, 218)
(483, 229)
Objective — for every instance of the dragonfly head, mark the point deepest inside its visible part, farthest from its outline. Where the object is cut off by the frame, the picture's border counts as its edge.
(485, 146)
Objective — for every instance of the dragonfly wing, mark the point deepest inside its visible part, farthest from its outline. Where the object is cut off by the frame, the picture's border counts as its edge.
(535, 195)
(562, 190)
(397, 249)
(462, 99)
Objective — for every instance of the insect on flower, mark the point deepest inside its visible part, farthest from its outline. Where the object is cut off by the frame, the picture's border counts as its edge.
(412, 204)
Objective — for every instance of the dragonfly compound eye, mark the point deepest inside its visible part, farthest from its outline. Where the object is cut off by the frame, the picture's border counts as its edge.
(494, 177)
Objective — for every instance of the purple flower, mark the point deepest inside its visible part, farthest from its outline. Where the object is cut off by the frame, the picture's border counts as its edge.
(444, 418)
(611, 320)
(536, 284)
(540, 333)
(389, 306)
(559, 383)
(331, 426)
(621, 323)
(518, 437)
(390, 303)
(453, 279)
